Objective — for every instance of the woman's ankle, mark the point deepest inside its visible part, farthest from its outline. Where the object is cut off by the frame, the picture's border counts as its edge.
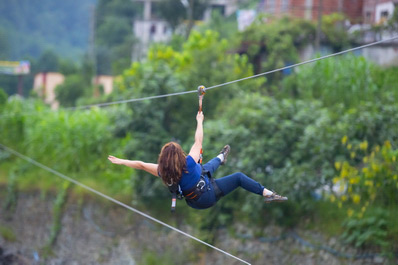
(267, 193)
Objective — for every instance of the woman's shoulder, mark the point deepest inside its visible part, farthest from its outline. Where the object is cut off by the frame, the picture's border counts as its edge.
(190, 160)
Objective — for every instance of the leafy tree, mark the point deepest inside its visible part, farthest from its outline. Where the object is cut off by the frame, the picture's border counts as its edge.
(71, 90)
(67, 67)
(173, 11)
(335, 33)
(367, 171)
(115, 29)
(225, 26)
(203, 58)
(347, 80)
(114, 36)
(276, 43)
(48, 62)
(392, 23)
(37, 26)
(74, 143)
(3, 98)
(4, 45)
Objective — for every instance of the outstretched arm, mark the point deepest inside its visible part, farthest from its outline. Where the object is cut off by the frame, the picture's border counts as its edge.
(148, 167)
(197, 146)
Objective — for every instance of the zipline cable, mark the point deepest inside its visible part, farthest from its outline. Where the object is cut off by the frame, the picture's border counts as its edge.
(30, 160)
(305, 62)
(224, 84)
(130, 100)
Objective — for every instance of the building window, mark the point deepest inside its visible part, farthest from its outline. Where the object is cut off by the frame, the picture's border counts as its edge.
(271, 6)
(285, 5)
(218, 8)
(153, 29)
(384, 14)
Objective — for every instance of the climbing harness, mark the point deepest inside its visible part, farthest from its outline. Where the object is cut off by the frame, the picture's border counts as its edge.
(196, 191)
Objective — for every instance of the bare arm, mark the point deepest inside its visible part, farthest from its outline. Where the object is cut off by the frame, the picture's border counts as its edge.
(197, 146)
(148, 167)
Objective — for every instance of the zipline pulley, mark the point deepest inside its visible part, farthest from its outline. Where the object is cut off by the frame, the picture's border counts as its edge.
(201, 93)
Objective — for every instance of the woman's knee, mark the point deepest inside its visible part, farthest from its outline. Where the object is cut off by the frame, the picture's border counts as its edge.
(240, 176)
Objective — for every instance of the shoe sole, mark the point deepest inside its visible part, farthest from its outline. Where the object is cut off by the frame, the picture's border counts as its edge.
(276, 201)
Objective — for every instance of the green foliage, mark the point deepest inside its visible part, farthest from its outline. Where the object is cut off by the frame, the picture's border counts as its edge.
(367, 231)
(276, 43)
(3, 98)
(7, 234)
(71, 90)
(168, 71)
(48, 62)
(57, 138)
(291, 145)
(370, 182)
(392, 24)
(347, 80)
(378, 171)
(386, 81)
(4, 45)
(154, 258)
(11, 199)
(12, 125)
(67, 67)
(32, 27)
(289, 142)
(202, 59)
(226, 27)
(267, 138)
(173, 11)
(114, 37)
(58, 210)
(335, 33)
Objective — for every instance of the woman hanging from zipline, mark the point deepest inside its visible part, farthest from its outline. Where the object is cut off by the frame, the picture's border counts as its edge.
(181, 173)
(187, 178)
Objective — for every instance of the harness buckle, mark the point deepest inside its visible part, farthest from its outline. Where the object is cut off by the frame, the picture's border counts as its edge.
(201, 184)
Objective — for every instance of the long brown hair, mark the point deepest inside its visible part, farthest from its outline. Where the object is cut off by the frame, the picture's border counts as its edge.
(171, 163)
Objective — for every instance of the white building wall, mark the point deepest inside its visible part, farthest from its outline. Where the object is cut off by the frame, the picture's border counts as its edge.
(384, 8)
(384, 56)
(47, 90)
(107, 82)
(150, 30)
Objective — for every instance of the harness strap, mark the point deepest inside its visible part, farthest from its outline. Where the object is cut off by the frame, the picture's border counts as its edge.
(196, 191)
(175, 194)
(217, 190)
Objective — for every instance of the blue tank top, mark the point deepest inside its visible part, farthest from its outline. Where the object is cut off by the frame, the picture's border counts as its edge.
(192, 176)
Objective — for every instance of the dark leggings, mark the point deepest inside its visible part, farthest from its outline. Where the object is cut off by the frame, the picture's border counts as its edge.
(233, 181)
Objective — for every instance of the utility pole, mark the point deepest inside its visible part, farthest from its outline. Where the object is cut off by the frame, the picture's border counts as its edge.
(20, 85)
(190, 17)
(319, 26)
(92, 39)
(92, 51)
